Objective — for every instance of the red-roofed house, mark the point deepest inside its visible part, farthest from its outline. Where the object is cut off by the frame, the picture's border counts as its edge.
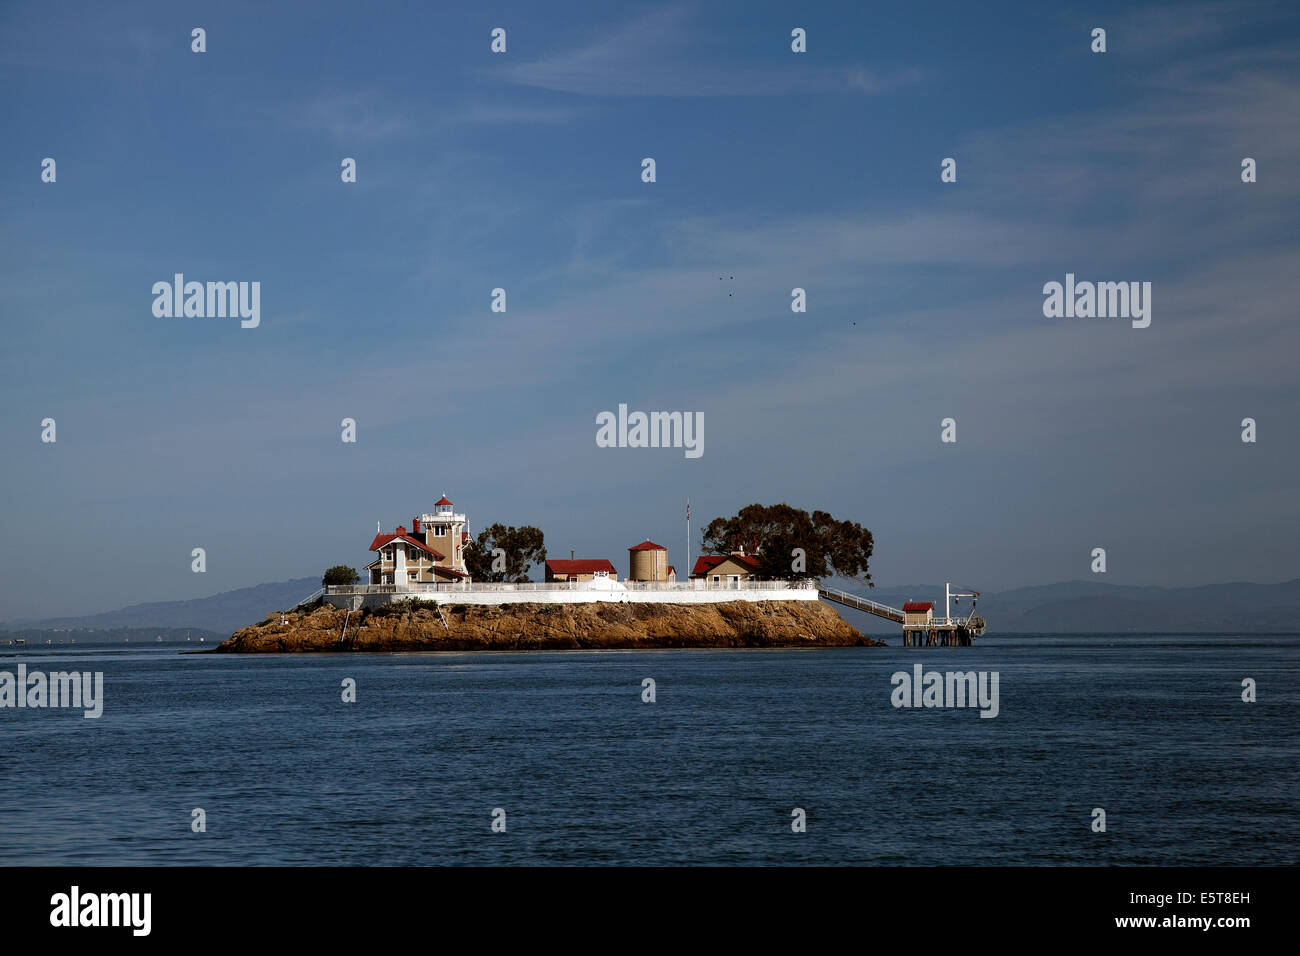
(724, 570)
(431, 552)
(581, 569)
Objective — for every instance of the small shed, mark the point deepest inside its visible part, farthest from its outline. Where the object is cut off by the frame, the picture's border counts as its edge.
(918, 614)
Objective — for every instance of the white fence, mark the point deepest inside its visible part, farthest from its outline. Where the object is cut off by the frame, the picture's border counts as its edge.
(610, 587)
(356, 596)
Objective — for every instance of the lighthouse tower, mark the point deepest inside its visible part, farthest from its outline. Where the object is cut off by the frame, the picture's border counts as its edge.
(447, 531)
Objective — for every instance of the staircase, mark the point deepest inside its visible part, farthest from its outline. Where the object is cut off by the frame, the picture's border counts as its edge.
(308, 599)
(861, 604)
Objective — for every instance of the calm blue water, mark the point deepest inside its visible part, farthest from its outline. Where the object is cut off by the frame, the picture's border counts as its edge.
(1150, 728)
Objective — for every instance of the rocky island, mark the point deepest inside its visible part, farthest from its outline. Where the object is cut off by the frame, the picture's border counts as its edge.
(421, 626)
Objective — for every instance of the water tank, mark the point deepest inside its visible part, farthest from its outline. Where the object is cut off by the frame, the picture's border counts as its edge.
(647, 561)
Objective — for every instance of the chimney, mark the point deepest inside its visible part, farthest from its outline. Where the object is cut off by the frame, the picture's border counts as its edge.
(415, 526)
(570, 554)
(401, 529)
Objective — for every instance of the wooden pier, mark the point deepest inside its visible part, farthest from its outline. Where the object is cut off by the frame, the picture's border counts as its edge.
(938, 635)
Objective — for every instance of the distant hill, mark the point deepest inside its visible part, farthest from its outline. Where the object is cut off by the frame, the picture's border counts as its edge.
(1088, 606)
(222, 613)
(114, 635)
(1068, 607)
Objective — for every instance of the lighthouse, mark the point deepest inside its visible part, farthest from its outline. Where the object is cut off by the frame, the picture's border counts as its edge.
(447, 530)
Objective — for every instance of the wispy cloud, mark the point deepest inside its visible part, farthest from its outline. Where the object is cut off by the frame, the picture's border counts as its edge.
(658, 54)
(1185, 27)
(371, 117)
(513, 114)
(350, 117)
(84, 40)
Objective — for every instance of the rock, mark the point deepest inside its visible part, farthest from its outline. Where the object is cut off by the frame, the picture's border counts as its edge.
(513, 627)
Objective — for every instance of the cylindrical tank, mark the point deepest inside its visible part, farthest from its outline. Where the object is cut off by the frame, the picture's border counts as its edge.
(647, 562)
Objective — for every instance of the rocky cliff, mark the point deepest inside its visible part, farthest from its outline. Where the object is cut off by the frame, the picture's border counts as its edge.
(404, 627)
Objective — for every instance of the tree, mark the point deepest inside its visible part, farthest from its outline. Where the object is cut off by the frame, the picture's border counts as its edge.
(340, 574)
(521, 546)
(772, 533)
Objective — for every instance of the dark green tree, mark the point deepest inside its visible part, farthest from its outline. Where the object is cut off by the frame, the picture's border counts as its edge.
(523, 547)
(772, 533)
(340, 574)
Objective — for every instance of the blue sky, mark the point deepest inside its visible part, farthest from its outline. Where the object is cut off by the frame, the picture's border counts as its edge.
(522, 171)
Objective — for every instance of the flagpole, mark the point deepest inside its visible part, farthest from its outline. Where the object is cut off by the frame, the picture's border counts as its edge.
(688, 539)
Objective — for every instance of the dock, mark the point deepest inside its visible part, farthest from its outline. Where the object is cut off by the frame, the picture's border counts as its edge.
(921, 627)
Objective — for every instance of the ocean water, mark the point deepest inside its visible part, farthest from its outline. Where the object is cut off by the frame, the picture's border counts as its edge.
(1150, 728)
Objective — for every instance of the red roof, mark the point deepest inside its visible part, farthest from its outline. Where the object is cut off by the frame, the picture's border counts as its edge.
(383, 539)
(579, 566)
(441, 501)
(452, 571)
(912, 607)
(648, 546)
(707, 562)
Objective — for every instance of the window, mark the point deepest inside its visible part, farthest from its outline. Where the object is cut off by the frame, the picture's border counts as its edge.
(411, 576)
(388, 554)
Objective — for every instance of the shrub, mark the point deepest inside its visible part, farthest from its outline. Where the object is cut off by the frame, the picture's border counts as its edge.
(340, 574)
(404, 606)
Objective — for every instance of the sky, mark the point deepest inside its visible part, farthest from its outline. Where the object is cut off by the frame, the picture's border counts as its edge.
(522, 170)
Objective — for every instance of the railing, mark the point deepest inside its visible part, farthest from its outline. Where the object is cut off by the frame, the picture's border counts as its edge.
(861, 603)
(611, 587)
(973, 622)
(309, 598)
